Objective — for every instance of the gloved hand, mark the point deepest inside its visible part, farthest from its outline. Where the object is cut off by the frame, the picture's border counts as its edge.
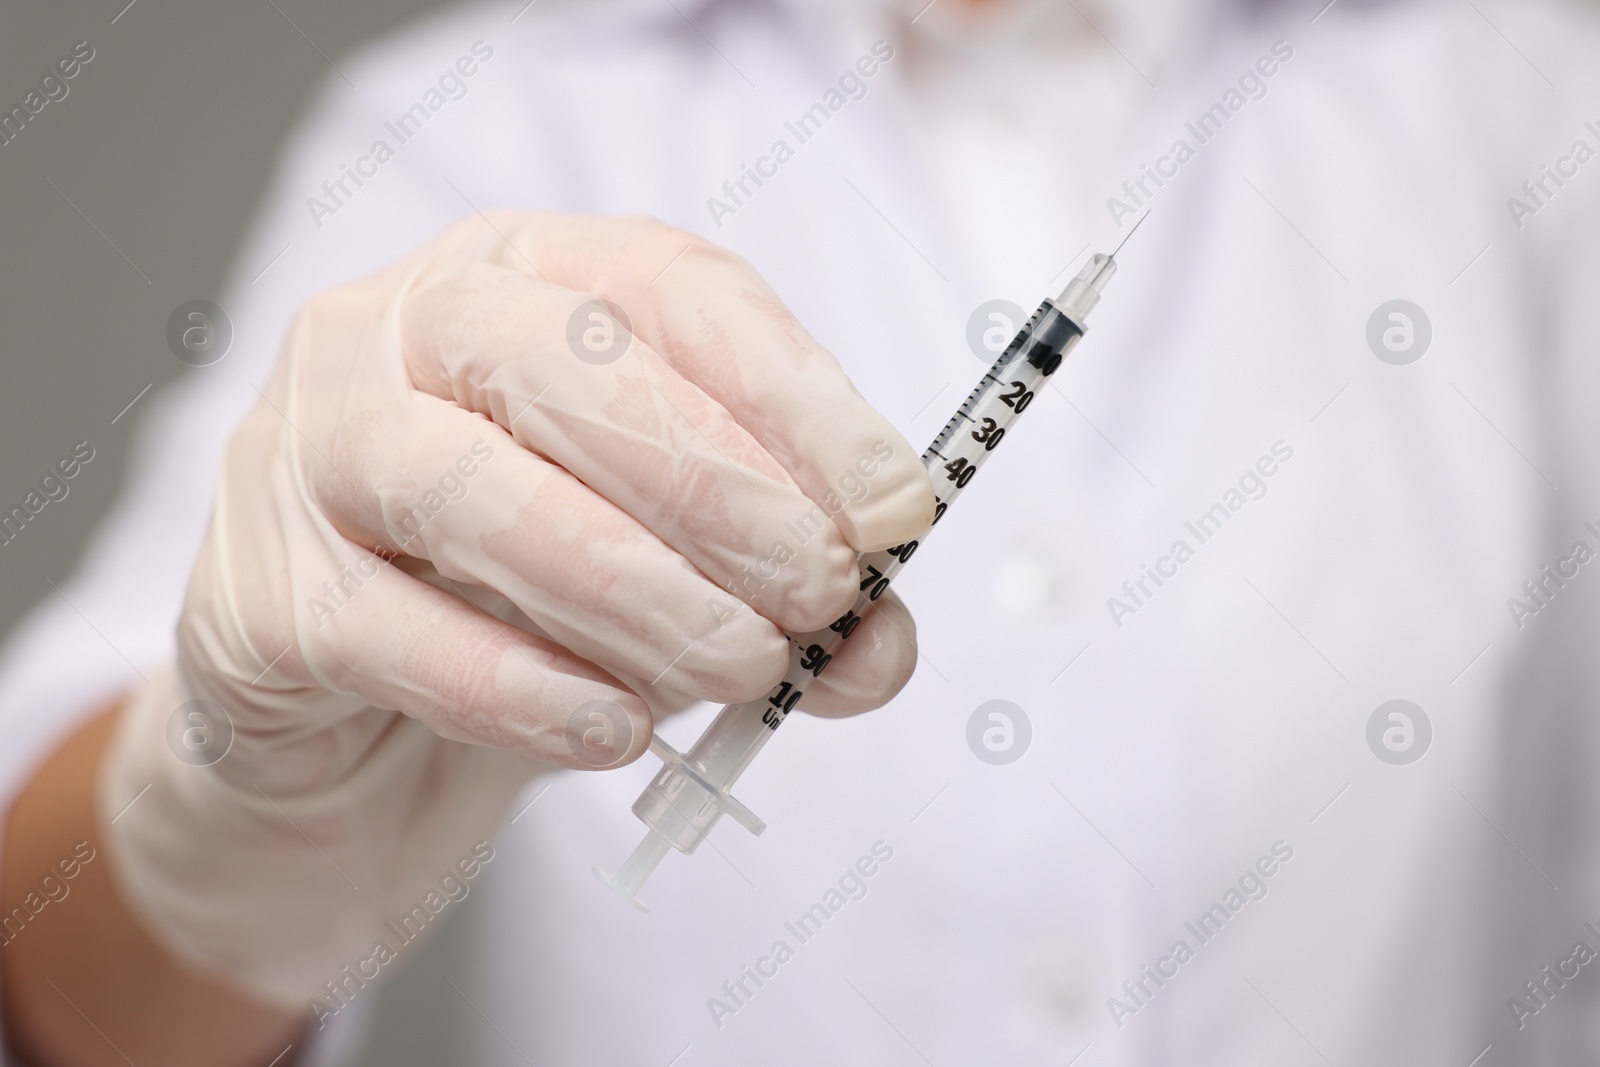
(475, 529)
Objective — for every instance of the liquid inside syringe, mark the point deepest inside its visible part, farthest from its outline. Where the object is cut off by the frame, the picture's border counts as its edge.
(691, 792)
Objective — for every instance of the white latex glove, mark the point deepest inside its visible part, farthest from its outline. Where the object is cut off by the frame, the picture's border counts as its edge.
(564, 533)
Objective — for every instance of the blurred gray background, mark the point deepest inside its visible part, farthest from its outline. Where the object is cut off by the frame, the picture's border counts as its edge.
(158, 155)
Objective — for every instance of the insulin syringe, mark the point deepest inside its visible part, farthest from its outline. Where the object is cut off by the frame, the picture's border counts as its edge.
(691, 792)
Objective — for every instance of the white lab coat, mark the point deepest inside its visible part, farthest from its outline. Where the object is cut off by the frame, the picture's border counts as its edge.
(1220, 724)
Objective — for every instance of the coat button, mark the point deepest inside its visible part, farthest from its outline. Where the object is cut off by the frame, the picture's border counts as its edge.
(1026, 581)
(1064, 980)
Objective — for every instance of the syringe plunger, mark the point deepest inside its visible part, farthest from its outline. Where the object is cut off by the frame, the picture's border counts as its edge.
(638, 867)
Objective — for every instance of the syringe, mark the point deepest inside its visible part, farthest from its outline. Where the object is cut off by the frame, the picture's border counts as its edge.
(684, 801)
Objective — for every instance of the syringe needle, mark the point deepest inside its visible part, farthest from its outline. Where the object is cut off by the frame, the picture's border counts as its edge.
(1130, 234)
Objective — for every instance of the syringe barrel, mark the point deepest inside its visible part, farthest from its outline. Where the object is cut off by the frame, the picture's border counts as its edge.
(683, 810)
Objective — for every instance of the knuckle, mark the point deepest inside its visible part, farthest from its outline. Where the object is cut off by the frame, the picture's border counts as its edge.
(817, 598)
(743, 658)
(653, 246)
(639, 223)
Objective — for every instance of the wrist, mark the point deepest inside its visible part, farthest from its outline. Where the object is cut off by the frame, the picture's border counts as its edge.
(274, 890)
